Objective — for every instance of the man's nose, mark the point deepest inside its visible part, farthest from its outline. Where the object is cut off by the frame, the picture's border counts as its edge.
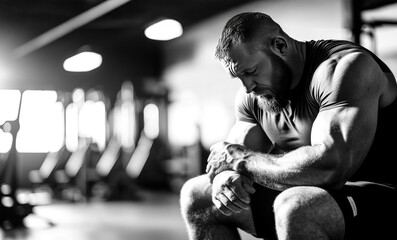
(249, 85)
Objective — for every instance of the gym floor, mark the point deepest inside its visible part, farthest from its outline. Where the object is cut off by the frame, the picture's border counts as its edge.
(154, 217)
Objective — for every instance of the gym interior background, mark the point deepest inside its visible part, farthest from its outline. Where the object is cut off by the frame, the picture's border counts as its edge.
(76, 147)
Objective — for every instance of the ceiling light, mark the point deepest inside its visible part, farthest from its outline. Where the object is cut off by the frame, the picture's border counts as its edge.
(164, 30)
(83, 62)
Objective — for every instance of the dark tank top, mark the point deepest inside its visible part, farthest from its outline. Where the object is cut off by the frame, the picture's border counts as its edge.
(291, 128)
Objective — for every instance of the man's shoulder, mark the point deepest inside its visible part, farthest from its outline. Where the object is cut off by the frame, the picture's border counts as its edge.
(347, 64)
(346, 56)
(347, 74)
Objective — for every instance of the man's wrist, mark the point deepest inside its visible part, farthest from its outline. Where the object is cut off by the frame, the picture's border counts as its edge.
(240, 156)
(237, 151)
(241, 167)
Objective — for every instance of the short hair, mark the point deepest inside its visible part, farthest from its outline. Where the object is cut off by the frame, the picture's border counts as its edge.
(242, 28)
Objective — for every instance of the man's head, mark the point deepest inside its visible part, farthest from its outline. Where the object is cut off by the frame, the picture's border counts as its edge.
(245, 27)
(253, 48)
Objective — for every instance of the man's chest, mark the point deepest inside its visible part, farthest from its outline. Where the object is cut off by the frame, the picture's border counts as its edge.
(289, 129)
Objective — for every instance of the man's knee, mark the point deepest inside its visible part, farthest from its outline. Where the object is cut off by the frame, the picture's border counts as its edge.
(195, 196)
(306, 206)
(302, 201)
(291, 203)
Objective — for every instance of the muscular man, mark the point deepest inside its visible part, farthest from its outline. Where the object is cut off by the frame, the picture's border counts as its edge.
(311, 153)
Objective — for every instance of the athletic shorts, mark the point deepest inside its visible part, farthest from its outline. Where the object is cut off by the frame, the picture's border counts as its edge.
(369, 209)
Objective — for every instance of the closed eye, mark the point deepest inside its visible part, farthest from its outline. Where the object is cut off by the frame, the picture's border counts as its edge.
(250, 72)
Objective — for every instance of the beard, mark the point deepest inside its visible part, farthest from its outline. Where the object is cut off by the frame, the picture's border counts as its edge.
(276, 99)
(271, 103)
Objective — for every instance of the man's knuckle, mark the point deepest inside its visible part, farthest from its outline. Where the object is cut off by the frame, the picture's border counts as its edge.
(222, 207)
(234, 180)
(229, 204)
(233, 198)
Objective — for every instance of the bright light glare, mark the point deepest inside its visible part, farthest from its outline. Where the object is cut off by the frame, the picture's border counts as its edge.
(164, 30)
(215, 123)
(128, 124)
(41, 122)
(124, 117)
(92, 122)
(78, 95)
(151, 120)
(124, 124)
(85, 119)
(182, 124)
(83, 62)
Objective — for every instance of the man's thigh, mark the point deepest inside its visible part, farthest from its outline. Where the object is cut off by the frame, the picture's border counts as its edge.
(371, 210)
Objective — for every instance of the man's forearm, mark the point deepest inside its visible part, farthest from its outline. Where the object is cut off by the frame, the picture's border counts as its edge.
(258, 169)
(279, 172)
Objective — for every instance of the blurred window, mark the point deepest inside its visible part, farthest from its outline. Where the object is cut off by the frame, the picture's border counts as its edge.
(9, 106)
(41, 122)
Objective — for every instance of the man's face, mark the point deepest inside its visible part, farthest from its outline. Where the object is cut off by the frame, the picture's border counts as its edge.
(263, 74)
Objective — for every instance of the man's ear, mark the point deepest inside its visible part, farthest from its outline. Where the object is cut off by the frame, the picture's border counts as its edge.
(280, 45)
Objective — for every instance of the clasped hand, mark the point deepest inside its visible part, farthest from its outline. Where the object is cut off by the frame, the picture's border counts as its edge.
(224, 156)
(231, 192)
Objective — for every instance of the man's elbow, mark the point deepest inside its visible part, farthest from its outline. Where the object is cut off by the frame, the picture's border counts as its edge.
(337, 176)
(339, 167)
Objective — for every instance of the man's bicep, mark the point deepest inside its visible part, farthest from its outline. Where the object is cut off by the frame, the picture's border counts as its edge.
(350, 94)
(250, 135)
(347, 134)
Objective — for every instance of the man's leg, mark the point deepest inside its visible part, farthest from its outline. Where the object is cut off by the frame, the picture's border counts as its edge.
(203, 220)
(308, 213)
